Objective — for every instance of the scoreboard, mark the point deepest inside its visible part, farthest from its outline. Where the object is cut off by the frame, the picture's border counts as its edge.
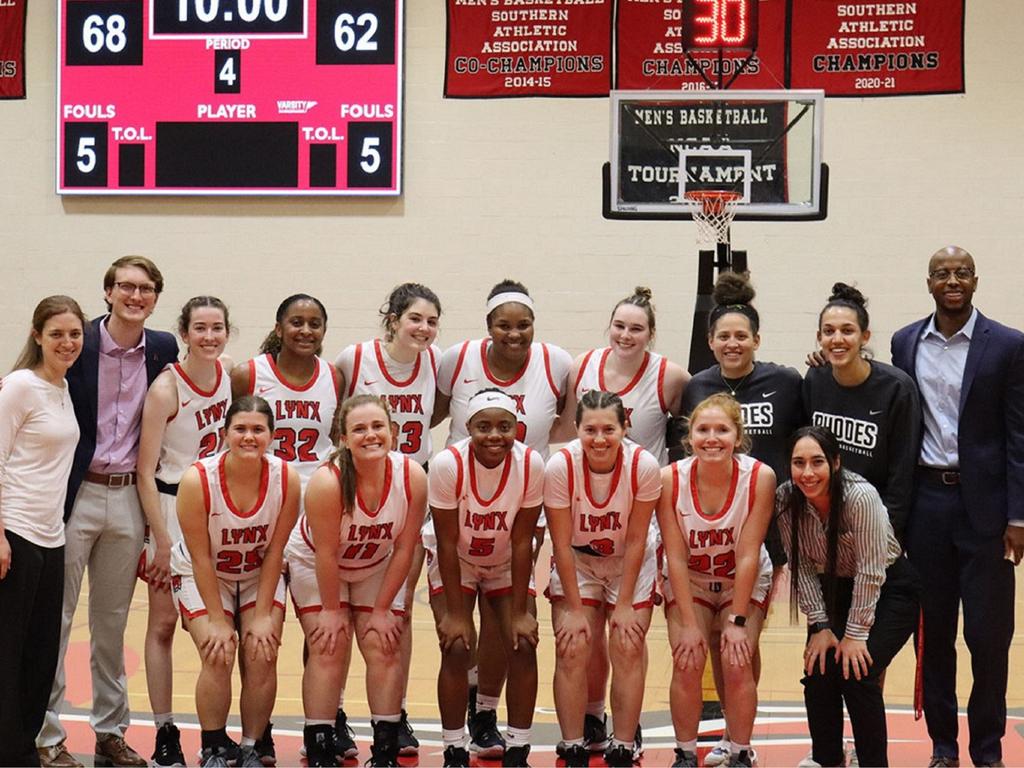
(229, 97)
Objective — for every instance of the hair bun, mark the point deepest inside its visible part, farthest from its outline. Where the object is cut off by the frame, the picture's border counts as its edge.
(733, 288)
(844, 292)
(643, 293)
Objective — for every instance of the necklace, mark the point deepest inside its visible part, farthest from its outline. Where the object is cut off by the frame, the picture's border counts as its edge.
(733, 389)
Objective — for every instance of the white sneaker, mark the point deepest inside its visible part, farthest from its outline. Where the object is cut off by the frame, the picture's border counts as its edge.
(809, 761)
(718, 755)
(851, 754)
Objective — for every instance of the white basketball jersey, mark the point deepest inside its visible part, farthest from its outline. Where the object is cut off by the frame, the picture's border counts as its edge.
(535, 391)
(366, 538)
(238, 538)
(600, 528)
(302, 415)
(195, 430)
(712, 539)
(485, 524)
(643, 398)
(411, 398)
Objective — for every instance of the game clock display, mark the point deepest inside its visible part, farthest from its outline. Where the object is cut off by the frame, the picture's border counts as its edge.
(229, 97)
(719, 24)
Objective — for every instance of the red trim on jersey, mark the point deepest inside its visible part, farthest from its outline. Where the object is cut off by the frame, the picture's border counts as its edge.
(284, 482)
(193, 386)
(384, 496)
(632, 382)
(506, 470)
(527, 458)
(302, 387)
(357, 359)
(433, 362)
(384, 368)
(264, 483)
(547, 370)
(494, 379)
(612, 487)
(204, 482)
(661, 384)
(675, 484)
(753, 486)
(458, 367)
(307, 535)
(458, 473)
(406, 480)
(581, 371)
(335, 376)
(634, 483)
(570, 473)
(728, 499)
(252, 376)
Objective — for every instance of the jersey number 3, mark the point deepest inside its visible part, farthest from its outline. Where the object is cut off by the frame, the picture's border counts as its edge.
(296, 447)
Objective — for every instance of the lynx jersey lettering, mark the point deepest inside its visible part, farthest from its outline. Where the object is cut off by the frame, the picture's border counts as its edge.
(238, 539)
(195, 429)
(643, 398)
(302, 415)
(365, 538)
(599, 527)
(408, 389)
(536, 389)
(712, 539)
(487, 500)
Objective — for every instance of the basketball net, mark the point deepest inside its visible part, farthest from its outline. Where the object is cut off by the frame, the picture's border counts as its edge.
(713, 210)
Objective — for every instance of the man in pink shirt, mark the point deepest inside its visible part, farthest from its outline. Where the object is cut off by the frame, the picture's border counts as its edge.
(104, 523)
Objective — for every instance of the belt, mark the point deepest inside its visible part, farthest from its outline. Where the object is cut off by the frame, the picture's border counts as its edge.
(940, 475)
(116, 480)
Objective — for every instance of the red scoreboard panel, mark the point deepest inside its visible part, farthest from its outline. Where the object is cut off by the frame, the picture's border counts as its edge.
(229, 97)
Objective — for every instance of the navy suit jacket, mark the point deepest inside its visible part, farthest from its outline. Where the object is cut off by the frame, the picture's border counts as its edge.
(990, 431)
(83, 385)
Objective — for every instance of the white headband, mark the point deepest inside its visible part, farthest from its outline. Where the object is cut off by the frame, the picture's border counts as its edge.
(484, 400)
(504, 298)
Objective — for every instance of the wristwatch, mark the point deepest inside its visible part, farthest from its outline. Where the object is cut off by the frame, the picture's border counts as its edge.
(818, 626)
(739, 621)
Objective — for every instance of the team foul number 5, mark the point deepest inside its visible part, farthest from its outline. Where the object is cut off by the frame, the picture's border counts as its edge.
(296, 446)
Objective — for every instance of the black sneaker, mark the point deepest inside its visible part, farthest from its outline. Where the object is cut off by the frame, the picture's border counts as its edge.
(319, 743)
(576, 756)
(168, 746)
(344, 737)
(384, 749)
(515, 757)
(408, 744)
(265, 747)
(595, 733)
(484, 738)
(456, 757)
(741, 759)
(471, 704)
(638, 743)
(685, 759)
(620, 756)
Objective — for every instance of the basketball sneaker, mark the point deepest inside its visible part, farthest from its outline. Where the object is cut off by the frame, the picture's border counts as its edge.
(168, 746)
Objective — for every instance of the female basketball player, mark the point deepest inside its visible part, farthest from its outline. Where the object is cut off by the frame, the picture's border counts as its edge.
(348, 561)
(599, 492)
(860, 595)
(872, 408)
(714, 513)
(182, 421)
(401, 367)
(769, 396)
(38, 435)
(485, 497)
(534, 375)
(236, 510)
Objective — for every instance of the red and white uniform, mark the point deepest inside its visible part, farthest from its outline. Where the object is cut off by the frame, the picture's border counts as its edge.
(366, 539)
(536, 389)
(600, 505)
(712, 539)
(238, 538)
(643, 397)
(409, 389)
(194, 432)
(487, 501)
(302, 415)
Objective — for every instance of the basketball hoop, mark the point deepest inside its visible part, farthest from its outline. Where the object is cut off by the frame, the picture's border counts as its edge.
(713, 210)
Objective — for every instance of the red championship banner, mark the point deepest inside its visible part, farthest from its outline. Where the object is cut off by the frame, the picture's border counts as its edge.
(12, 49)
(878, 49)
(502, 48)
(650, 55)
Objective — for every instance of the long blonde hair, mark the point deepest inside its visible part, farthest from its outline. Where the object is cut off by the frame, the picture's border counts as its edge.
(341, 456)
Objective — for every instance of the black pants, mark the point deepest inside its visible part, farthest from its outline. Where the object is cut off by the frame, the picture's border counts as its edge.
(31, 599)
(896, 616)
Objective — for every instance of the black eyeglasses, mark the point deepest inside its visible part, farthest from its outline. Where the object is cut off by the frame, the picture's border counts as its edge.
(960, 273)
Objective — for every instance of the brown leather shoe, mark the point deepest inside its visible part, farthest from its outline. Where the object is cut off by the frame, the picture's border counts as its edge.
(114, 750)
(57, 756)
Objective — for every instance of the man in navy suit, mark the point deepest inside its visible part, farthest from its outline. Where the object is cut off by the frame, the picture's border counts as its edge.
(966, 528)
(104, 524)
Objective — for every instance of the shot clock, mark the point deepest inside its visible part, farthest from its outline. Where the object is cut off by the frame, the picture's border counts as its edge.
(229, 97)
(719, 25)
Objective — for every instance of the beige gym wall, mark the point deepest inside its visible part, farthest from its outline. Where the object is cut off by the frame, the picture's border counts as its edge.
(497, 188)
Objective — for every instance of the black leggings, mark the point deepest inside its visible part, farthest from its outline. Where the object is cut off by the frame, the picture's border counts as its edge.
(896, 616)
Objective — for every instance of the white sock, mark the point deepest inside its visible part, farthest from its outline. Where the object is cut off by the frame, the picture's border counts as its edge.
(735, 748)
(620, 743)
(395, 718)
(596, 709)
(486, 702)
(687, 746)
(403, 702)
(517, 737)
(341, 699)
(454, 738)
(570, 743)
(312, 723)
(161, 720)
(247, 742)
(473, 676)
